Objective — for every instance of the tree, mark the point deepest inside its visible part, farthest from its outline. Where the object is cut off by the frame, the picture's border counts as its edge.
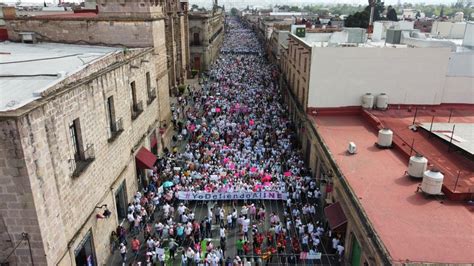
(418, 15)
(294, 9)
(391, 14)
(234, 11)
(358, 19)
(441, 13)
(194, 7)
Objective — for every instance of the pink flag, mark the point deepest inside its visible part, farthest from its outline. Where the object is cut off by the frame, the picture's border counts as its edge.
(226, 160)
(253, 169)
(287, 173)
(251, 122)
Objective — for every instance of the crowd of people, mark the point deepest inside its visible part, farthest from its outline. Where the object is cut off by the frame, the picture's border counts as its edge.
(237, 139)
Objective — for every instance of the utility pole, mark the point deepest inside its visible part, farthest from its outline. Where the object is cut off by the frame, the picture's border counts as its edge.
(370, 29)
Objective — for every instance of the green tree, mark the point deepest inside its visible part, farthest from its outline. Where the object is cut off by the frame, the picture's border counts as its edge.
(358, 19)
(391, 14)
(294, 9)
(233, 11)
(194, 7)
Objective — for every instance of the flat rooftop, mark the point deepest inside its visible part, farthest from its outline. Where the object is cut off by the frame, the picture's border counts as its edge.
(450, 160)
(29, 69)
(458, 134)
(412, 226)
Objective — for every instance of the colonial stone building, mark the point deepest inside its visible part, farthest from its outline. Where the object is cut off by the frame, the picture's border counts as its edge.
(177, 40)
(206, 31)
(159, 24)
(71, 147)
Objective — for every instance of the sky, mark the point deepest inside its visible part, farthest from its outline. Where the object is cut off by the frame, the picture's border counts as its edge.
(268, 2)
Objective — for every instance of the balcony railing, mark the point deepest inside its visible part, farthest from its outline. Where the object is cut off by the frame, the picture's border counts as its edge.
(115, 129)
(151, 95)
(137, 109)
(80, 163)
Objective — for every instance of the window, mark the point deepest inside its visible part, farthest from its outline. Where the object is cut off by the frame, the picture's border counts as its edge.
(82, 157)
(115, 125)
(196, 40)
(134, 92)
(74, 134)
(111, 111)
(137, 106)
(84, 254)
(151, 91)
(121, 201)
(148, 81)
(299, 58)
(305, 63)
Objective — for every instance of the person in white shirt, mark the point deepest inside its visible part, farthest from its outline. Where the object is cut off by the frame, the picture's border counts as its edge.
(222, 233)
(340, 250)
(335, 242)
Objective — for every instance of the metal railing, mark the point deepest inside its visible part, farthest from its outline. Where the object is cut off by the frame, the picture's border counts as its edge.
(115, 129)
(80, 163)
(137, 109)
(151, 95)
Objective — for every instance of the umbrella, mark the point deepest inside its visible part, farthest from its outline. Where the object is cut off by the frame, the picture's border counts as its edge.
(168, 184)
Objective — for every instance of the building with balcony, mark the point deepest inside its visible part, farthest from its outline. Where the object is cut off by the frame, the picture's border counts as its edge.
(370, 201)
(158, 24)
(76, 123)
(206, 31)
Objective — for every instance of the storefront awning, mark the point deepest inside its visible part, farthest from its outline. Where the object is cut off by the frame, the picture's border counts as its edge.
(145, 159)
(335, 215)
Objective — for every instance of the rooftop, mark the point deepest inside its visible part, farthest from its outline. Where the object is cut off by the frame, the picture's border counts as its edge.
(29, 69)
(433, 227)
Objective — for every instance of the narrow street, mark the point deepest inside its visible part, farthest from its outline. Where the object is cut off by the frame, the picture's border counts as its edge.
(233, 137)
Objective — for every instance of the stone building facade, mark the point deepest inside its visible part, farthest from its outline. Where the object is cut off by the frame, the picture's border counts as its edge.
(158, 24)
(177, 40)
(52, 194)
(206, 31)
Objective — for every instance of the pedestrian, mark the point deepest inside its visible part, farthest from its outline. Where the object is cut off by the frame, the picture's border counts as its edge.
(135, 247)
(123, 252)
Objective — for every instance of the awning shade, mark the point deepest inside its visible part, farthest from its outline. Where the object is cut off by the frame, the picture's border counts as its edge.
(335, 215)
(145, 159)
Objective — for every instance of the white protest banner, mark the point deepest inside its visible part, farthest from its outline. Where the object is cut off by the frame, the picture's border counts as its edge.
(263, 195)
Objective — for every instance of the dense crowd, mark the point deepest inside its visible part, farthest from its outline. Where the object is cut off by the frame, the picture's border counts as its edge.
(237, 139)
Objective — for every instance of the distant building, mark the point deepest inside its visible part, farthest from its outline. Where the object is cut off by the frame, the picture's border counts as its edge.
(77, 124)
(325, 80)
(206, 31)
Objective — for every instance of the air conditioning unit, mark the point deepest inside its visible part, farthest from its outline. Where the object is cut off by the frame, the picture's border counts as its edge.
(352, 149)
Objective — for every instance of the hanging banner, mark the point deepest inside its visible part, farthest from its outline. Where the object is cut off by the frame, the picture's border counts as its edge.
(263, 195)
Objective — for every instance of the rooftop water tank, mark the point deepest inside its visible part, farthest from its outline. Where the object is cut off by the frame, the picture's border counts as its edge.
(417, 166)
(382, 101)
(432, 182)
(368, 101)
(385, 138)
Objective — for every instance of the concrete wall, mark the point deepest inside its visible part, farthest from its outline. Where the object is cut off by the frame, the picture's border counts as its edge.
(447, 29)
(459, 85)
(65, 204)
(340, 76)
